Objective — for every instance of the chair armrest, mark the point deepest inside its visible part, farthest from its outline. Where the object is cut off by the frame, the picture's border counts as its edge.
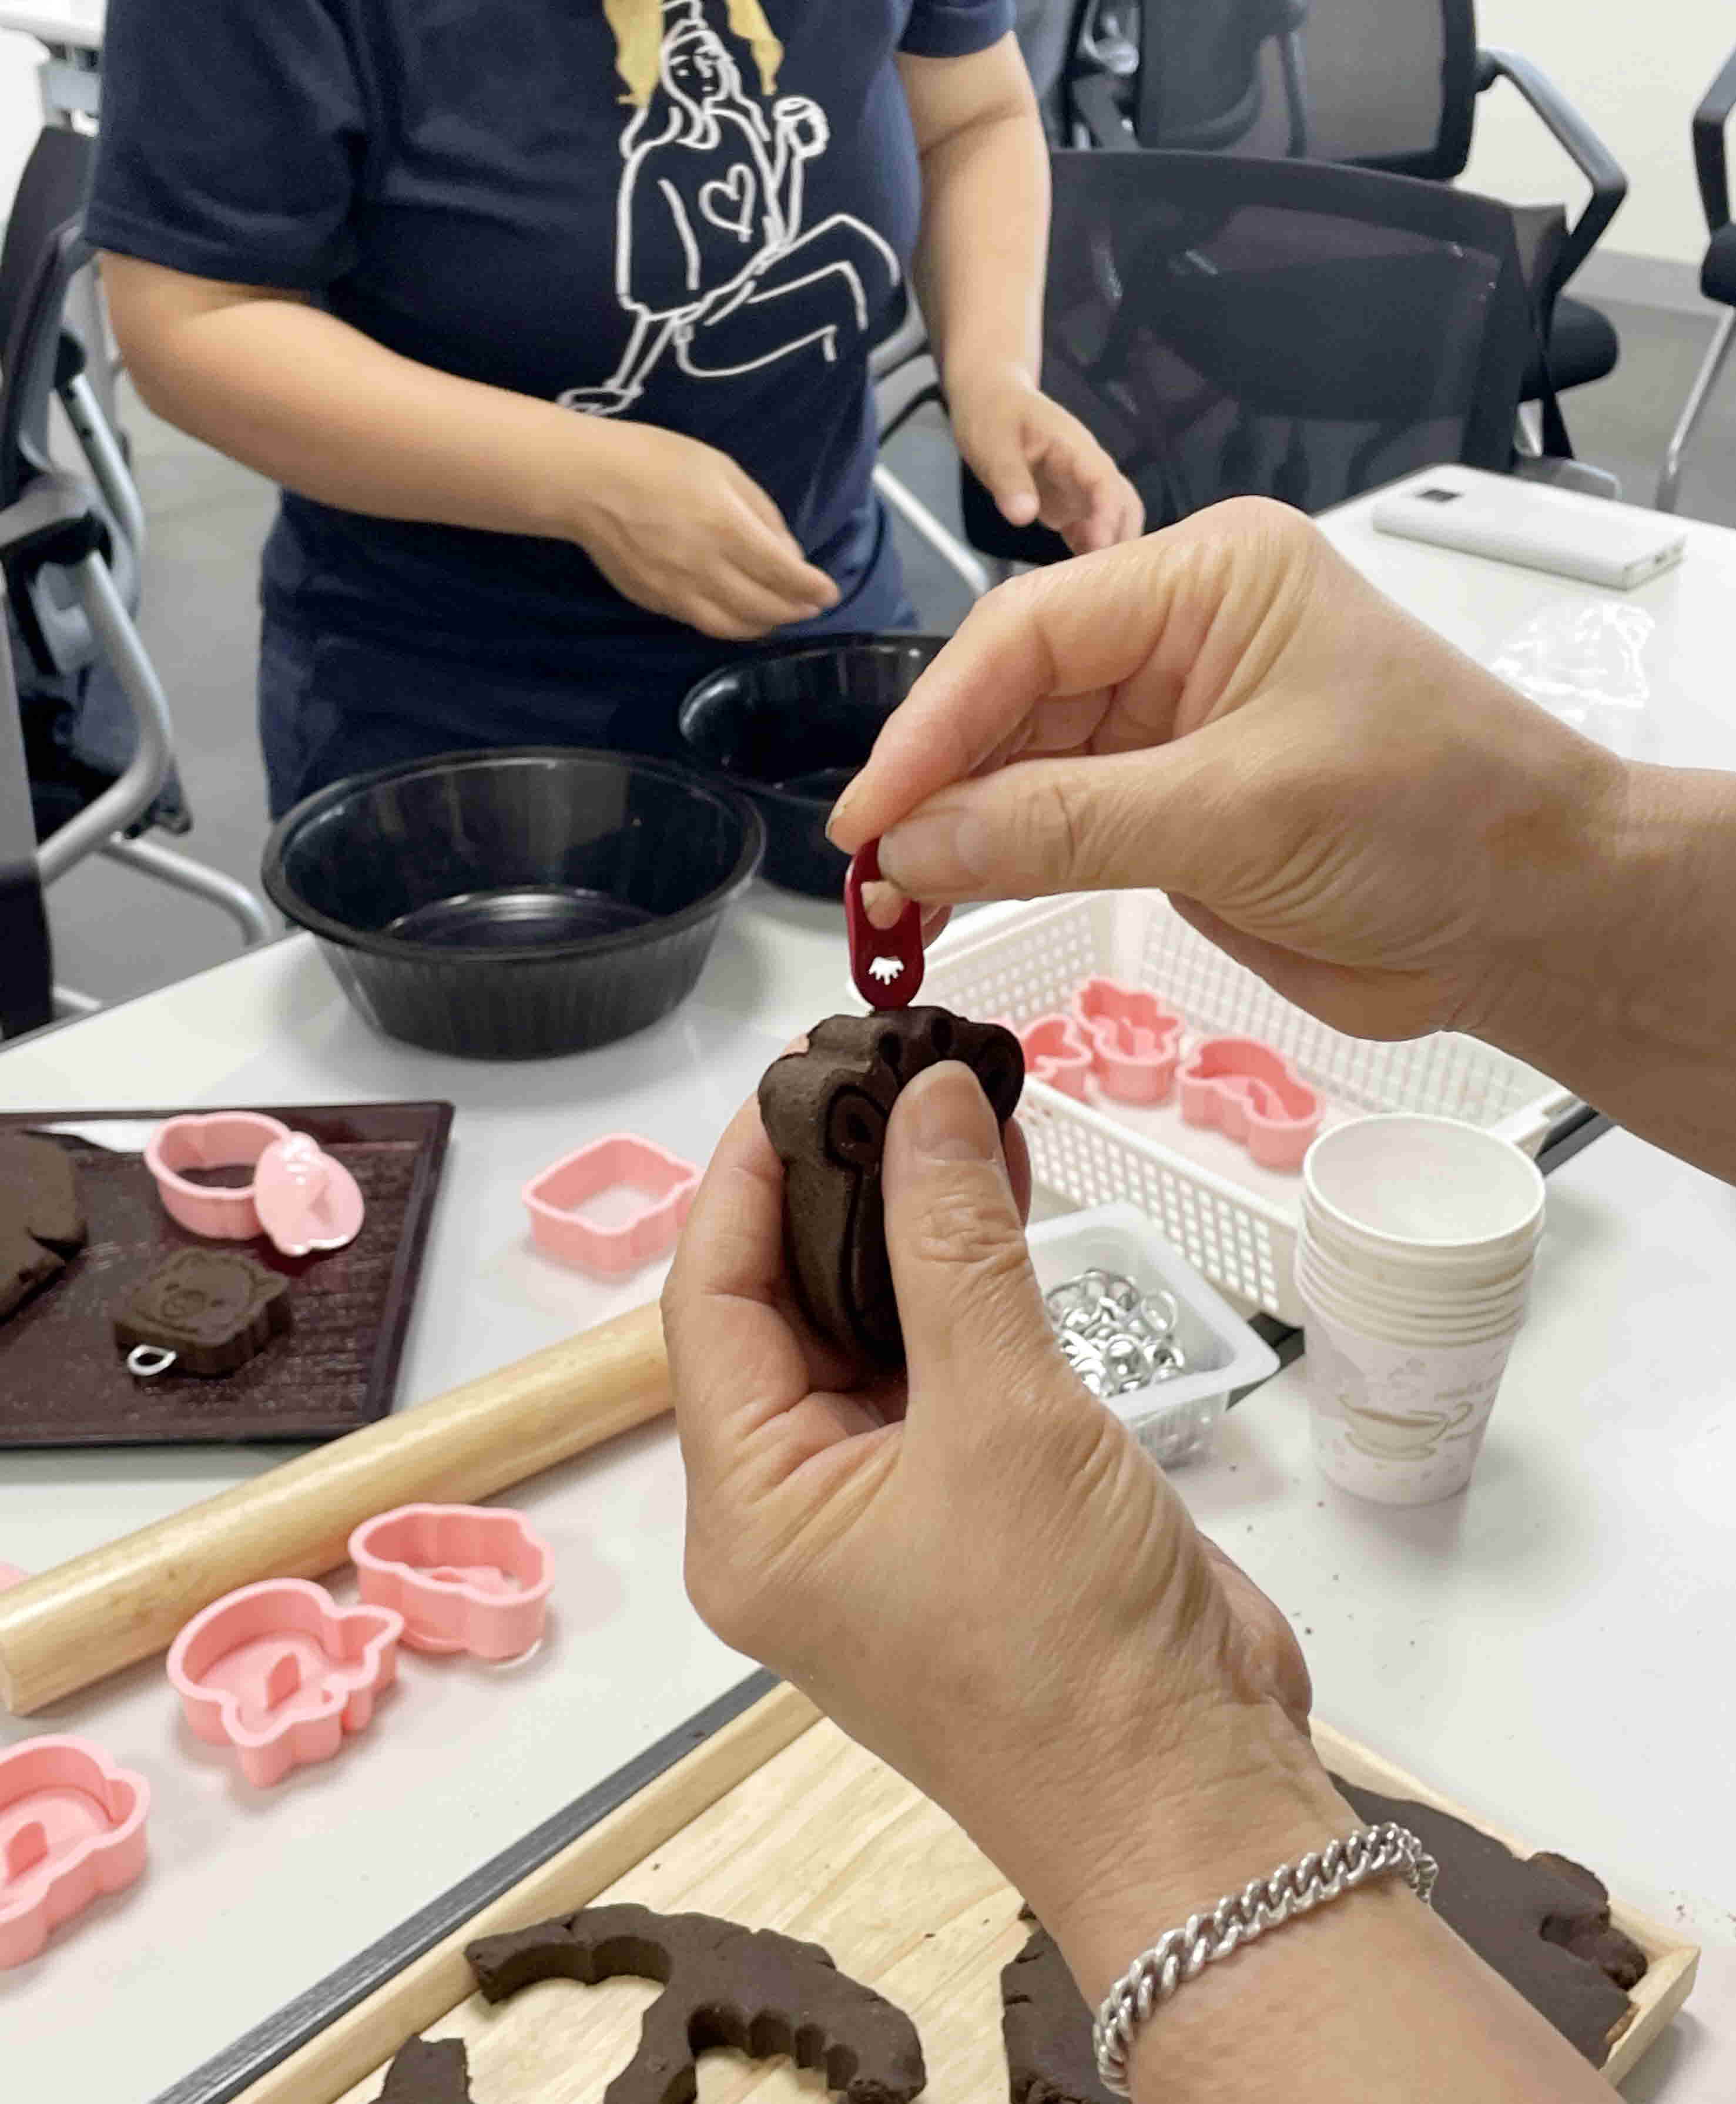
(1709, 163)
(55, 521)
(1094, 104)
(1587, 152)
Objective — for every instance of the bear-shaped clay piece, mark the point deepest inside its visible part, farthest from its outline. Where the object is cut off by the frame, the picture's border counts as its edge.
(825, 1112)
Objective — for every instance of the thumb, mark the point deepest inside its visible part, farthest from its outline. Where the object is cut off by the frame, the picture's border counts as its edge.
(1001, 466)
(973, 1318)
(1098, 823)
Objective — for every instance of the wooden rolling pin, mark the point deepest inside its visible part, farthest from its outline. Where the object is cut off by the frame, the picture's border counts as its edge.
(106, 1609)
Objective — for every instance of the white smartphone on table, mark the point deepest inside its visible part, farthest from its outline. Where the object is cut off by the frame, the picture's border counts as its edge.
(1573, 536)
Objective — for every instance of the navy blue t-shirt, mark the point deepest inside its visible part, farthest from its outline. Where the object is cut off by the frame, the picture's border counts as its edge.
(694, 213)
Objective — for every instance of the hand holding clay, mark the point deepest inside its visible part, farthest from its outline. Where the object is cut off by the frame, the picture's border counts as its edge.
(972, 1567)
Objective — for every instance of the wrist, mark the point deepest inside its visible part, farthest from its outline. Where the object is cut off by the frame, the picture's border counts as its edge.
(1240, 1793)
(972, 373)
(577, 463)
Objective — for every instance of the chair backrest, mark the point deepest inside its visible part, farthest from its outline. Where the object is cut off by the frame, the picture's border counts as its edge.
(1231, 326)
(1049, 32)
(43, 249)
(1386, 83)
(26, 968)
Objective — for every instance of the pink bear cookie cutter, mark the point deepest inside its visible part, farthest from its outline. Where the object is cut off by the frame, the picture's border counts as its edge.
(1254, 1095)
(299, 1196)
(72, 1828)
(638, 1195)
(473, 1578)
(281, 1672)
(1135, 1041)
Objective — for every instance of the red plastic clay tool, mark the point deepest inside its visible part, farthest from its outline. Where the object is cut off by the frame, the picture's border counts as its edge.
(885, 963)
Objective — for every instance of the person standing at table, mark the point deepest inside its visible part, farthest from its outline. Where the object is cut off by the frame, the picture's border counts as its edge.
(554, 326)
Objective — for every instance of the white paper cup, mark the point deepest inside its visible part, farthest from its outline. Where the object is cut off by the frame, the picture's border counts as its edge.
(1421, 1268)
(1423, 1192)
(1399, 1424)
(1329, 1283)
(1373, 1320)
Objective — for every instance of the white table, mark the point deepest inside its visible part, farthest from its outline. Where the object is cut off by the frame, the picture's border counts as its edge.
(1554, 1648)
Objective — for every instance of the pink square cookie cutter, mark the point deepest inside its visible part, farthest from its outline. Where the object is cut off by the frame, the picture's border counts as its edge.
(299, 1196)
(72, 1828)
(283, 1674)
(1135, 1041)
(637, 1196)
(1253, 1094)
(472, 1578)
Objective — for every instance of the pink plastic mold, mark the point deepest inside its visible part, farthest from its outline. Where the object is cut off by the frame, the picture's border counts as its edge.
(72, 1828)
(473, 1578)
(1056, 1052)
(222, 1139)
(280, 1672)
(1255, 1096)
(306, 1199)
(1135, 1041)
(612, 1206)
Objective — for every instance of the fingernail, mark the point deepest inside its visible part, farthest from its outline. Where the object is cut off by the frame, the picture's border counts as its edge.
(840, 810)
(952, 1119)
(942, 851)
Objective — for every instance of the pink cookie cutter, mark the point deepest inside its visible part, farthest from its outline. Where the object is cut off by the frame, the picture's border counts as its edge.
(473, 1578)
(1056, 1052)
(72, 1828)
(1253, 1094)
(280, 1672)
(11, 1575)
(300, 1196)
(1135, 1041)
(639, 1194)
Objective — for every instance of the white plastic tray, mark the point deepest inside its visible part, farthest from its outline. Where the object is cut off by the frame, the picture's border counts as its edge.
(1173, 1419)
(1235, 1223)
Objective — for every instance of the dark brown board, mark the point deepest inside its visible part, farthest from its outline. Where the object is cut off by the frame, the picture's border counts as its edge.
(63, 1383)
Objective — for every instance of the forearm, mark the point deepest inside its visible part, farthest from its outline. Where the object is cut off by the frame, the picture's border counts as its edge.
(1368, 2000)
(316, 405)
(1633, 1005)
(982, 255)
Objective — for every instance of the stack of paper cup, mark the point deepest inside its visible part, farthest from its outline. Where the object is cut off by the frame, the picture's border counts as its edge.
(1418, 1237)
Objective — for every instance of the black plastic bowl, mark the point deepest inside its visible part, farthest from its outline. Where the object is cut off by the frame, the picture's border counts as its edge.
(509, 905)
(790, 726)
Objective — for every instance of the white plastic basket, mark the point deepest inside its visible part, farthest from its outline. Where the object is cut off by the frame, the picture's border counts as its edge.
(1235, 1222)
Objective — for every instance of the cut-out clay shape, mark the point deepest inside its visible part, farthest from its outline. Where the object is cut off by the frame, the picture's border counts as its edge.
(280, 1672)
(72, 1828)
(1252, 1093)
(473, 1578)
(1135, 1041)
(760, 1993)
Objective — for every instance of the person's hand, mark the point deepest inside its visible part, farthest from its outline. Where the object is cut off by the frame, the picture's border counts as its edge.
(1038, 462)
(975, 1569)
(676, 527)
(1384, 831)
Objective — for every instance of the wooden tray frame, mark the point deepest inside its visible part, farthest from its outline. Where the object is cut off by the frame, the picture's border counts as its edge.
(415, 1980)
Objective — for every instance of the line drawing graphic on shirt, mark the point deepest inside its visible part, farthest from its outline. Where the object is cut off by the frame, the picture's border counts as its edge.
(714, 265)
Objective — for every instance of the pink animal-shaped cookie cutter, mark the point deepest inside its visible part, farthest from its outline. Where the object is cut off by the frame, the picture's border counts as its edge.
(1055, 1052)
(1252, 1093)
(473, 1578)
(637, 1196)
(281, 1672)
(1135, 1041)
(72, 1828)
(299, 1195)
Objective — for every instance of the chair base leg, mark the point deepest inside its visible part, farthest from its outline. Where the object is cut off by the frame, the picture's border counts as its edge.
(1669, 482)
(920, 519)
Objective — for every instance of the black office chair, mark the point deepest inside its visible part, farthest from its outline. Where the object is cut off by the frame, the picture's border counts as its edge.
(1228, 326)
(1388, 84)
(1717, 273)
(69, 542)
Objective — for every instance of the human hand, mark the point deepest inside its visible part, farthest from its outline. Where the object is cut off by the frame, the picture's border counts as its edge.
(1227, 710)
(678, 528)
(974, 1568)
(1038, 462)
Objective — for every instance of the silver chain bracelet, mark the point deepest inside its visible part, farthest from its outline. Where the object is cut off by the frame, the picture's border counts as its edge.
(1238, 1917)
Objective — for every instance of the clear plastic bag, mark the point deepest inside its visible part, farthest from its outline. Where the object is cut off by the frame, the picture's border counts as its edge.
(1579, 661)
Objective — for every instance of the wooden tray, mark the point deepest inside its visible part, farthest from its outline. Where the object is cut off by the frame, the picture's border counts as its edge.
(779, 1820)
(64, 1384)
